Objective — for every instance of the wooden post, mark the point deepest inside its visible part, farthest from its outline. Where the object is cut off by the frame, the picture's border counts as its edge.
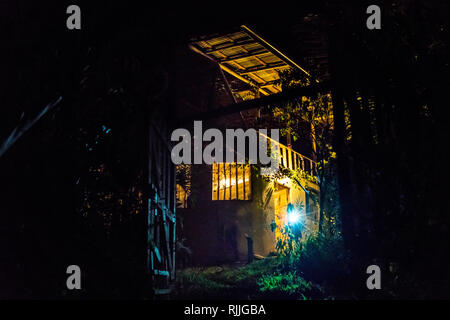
(225, 180)
(237, 182)
(243, 181)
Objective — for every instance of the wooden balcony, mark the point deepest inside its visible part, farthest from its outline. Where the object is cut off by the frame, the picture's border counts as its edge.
(290, 159)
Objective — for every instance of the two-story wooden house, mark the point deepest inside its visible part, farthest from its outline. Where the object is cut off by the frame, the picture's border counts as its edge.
(227, 209)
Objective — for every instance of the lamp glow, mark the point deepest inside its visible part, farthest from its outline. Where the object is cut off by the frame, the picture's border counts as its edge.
(293, 217)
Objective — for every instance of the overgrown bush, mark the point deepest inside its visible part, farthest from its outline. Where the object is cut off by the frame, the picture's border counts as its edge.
(265, 279)
(320, 259)
(229, 282)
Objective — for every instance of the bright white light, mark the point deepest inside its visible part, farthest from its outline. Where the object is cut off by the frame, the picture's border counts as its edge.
(293, 217)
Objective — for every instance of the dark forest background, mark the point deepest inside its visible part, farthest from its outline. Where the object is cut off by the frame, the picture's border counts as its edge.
(70, 186)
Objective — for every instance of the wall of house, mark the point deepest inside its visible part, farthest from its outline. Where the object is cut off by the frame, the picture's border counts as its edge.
(216, 231)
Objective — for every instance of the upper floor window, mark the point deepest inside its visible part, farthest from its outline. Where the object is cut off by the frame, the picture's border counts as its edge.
(231, 181)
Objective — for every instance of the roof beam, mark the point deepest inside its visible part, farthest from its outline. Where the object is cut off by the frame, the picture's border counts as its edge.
(270, 100)
(229, 45)
(244, 55)
(224, 67)
(269, 66)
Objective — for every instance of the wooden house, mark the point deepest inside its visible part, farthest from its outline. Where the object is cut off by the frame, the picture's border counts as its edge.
(227, 209)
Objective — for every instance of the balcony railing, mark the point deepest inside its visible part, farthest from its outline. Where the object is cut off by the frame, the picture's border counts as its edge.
(293, 160)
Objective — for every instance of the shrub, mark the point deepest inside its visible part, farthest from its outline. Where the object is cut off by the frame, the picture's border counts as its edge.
(321, 259)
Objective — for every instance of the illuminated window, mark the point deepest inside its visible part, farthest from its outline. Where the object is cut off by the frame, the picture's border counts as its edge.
(231, 181)
(181, 197)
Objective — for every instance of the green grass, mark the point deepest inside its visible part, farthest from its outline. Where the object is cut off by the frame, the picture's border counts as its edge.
(264, 279)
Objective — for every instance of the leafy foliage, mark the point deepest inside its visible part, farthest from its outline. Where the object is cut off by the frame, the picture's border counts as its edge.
(264, 279)
(291, 236)
(320, 259)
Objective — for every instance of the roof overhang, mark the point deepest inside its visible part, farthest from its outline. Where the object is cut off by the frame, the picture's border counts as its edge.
(248, 57)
